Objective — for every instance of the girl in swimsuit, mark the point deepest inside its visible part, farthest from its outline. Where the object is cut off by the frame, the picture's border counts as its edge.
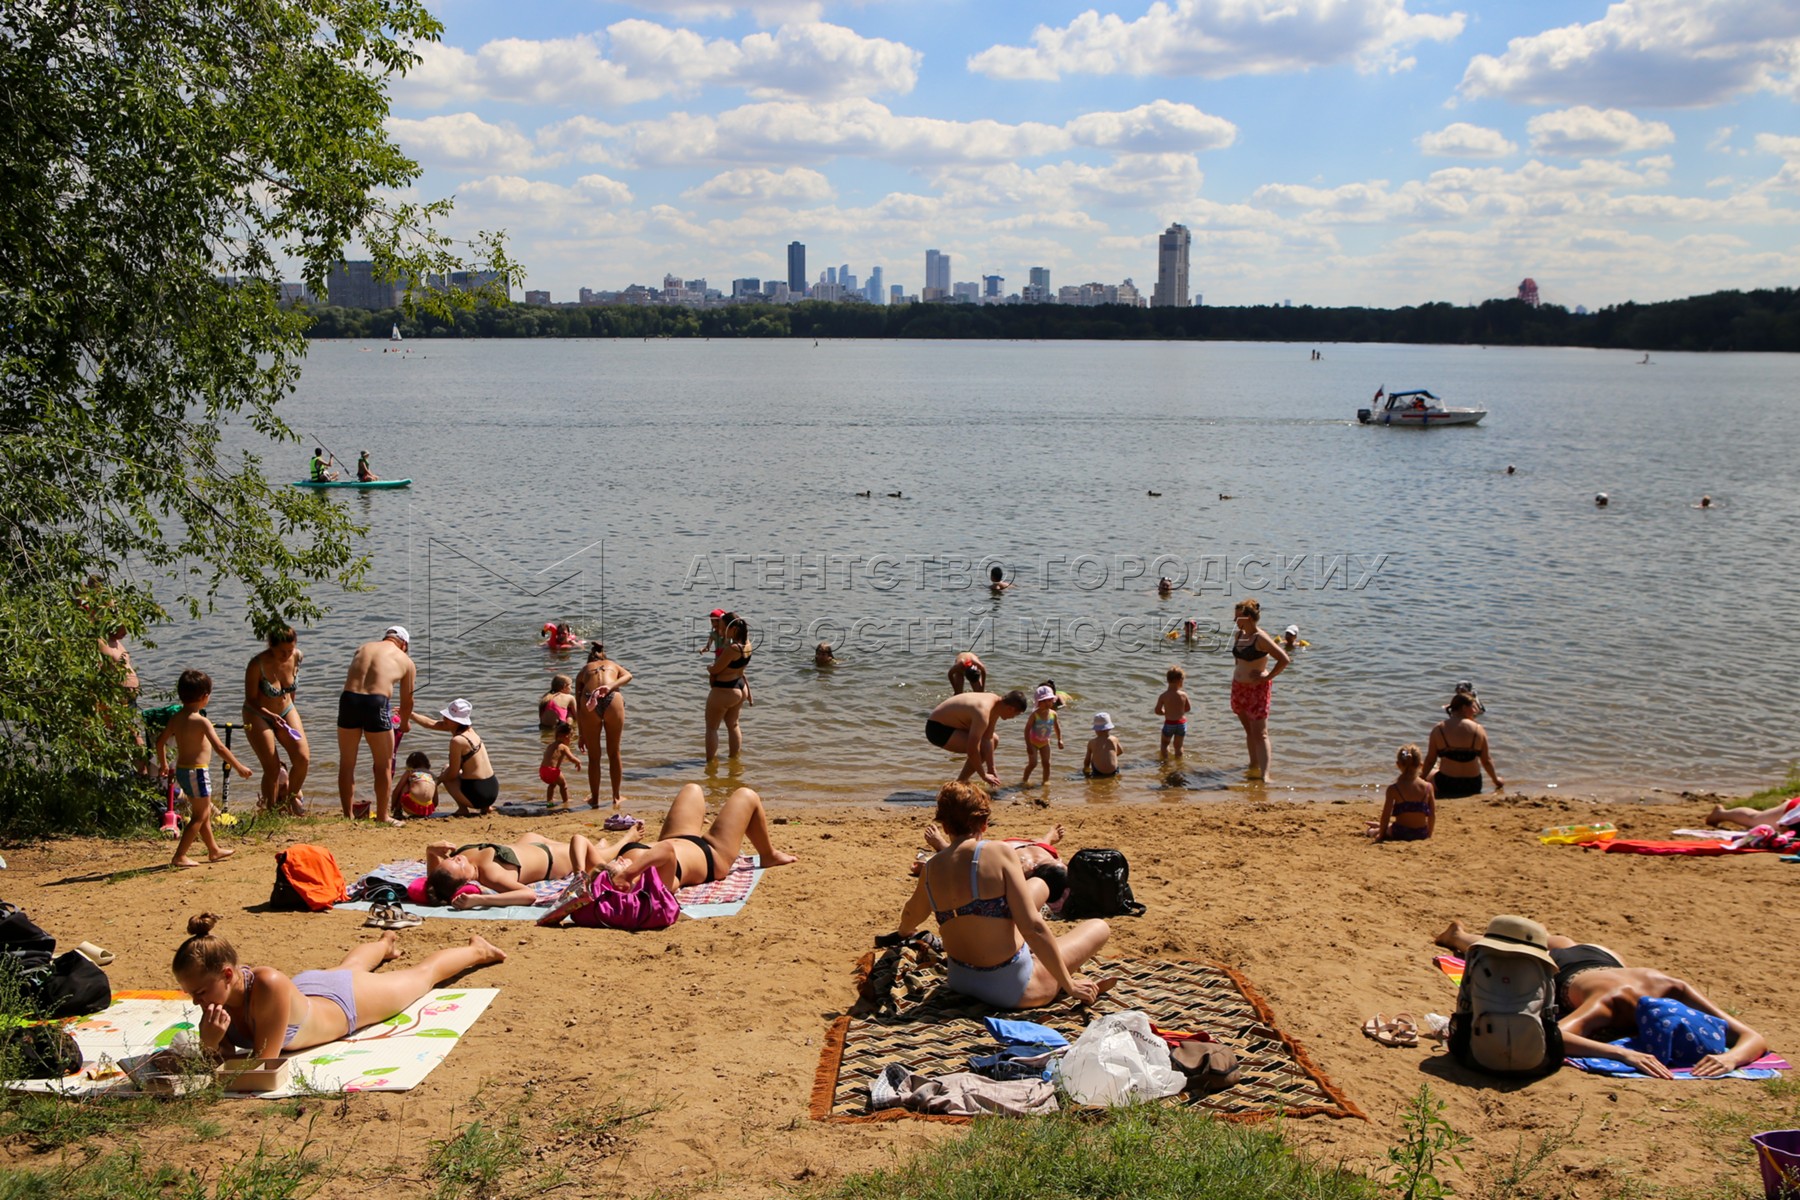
(272, 723)
(1457, 742)
(1000, 950)
(728, 690)
(1410, 813)
(267, 1014)
(1039, 727)
(600, 717)
(556, 705)
(415, 791)
(686, 853)
(470, 777)
(1250, 683)
(504, 874)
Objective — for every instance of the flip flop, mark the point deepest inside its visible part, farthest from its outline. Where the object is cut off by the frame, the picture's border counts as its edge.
(95, 955)
(572, 898)
(1401, 1031)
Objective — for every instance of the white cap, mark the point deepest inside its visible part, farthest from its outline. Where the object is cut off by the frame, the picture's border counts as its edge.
(458, 711)
(1102, 722)
(1293, 629)
(1046, 692)
(397, 631)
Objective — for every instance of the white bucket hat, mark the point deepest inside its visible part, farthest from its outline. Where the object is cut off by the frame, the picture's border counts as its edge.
(458, 711)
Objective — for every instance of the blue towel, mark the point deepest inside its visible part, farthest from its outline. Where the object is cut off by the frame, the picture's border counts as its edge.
(1023, 1033)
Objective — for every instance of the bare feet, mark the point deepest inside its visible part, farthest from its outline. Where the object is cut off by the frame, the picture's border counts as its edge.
(1053, 835)
(220, 855)
(1716, 817)
(934, 837)
(183, 862)
(593, 801)
(490, 953)
(1450, 939)
(390, 948)
(776, 858)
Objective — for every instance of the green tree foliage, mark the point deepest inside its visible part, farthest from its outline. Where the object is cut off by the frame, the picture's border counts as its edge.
(162, 165)
(1760, 320)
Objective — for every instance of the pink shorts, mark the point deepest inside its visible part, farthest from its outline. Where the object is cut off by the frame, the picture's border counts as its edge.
(1251, 700)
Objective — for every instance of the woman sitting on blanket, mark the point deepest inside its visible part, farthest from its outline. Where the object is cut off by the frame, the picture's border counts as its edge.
(262, 1011)
(1598, 996)
(987, 913)
(489, 875)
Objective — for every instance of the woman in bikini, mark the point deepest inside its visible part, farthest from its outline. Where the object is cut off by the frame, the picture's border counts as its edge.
(686, 853)
(504, 874)
(272, 723)
(260, 1011)
(1457, 743)
(729, 689)
(470, 777)
(1000, 950)
(600, 712)
(1251, 682)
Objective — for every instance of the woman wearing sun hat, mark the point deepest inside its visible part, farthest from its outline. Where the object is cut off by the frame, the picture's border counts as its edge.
(469, 778)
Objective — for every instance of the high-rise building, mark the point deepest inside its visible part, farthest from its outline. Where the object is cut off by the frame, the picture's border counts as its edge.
(353, 285)
(1040, 278)
(828, 275)
(993, 286)
(876, 292)
(797, 267)
(1171, 268)
(844, 276)
(937, 273)
(930, 285)
(746, 288)
(896, 294)
(537, 297)
(966, 293)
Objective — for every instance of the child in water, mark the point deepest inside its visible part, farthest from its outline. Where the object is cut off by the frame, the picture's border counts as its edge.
(1038, 727)
(997, 580)
(195, 740)
(415, 792)
(1410, 813)
(556, 706)
(1102, 761)
(1172, 706)
(550, 770)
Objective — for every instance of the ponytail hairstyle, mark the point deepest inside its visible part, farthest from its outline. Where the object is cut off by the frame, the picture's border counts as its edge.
(204, 951)
(1408, 759)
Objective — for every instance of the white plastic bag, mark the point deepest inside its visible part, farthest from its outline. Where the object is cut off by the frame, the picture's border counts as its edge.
(1117, 1060)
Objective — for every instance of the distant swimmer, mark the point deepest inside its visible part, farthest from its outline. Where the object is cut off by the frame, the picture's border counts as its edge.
(1601, 500)
(997, 582)
(822, 655)
(1164, 587)
(1511, 470)
(1291, 639)
(1705, 502)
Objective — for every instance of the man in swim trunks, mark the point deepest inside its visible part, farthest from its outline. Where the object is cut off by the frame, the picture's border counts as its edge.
(1597, 997)
(969, 670)
(969, 725)
(365, 711)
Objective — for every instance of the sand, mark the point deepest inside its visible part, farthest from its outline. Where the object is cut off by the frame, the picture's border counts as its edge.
(716, 1024)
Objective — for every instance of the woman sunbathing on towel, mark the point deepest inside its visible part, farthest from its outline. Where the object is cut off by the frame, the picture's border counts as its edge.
(686, 854)
(1598, 996)
(987, 914)
(489, 875)
(1787, 813)
(262, 1011)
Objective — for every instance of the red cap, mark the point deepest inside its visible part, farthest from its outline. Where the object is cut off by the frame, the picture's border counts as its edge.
(716, 613)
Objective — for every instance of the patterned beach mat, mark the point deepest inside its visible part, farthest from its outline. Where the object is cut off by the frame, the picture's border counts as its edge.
(907, 1016)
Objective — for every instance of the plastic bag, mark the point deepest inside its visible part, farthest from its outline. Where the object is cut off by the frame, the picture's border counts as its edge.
(1118, 1060)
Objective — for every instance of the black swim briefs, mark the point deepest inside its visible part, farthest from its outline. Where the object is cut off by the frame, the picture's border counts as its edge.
(365, 712)
(1572, 961)
(938, 733)
(481, 792)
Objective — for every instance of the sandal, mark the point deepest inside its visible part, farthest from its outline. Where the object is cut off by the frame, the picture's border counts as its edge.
(1403, 1030)
(618, 823)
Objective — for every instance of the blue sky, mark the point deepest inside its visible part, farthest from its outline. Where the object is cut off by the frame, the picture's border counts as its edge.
(1329, 151)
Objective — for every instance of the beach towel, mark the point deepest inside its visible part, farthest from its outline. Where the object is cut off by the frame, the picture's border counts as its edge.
(906, 1015)
(724, 898)
(1671, 849)
(393, 1056)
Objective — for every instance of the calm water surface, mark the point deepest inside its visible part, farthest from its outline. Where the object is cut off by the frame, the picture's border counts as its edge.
(631, 487)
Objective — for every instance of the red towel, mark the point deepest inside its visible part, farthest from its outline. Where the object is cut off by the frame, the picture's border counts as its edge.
(1692, 849)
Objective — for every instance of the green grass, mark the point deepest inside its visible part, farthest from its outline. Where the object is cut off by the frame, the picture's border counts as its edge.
(1144, 1153)
(472, 1164)
(1781, 791)
(289, 1175)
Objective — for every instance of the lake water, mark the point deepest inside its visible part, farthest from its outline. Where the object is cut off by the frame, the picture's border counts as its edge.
(630, 487)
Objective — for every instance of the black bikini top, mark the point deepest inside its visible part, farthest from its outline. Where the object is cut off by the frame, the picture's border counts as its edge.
(1248, 653)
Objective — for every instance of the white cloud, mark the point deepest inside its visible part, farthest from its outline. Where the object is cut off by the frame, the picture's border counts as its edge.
(1788, 149)
(756, 185)
(769, 12)
(1159, 125)
(639, 60)
(1218, 38)
(1462, 140)
(463, 140)
(1649, 52)
(590, 191)
(1581, 131)
(1139, 181)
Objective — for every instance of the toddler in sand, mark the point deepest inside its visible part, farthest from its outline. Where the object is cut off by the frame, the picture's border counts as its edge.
(1172, 706)
(1039, 726)
(550, 770)
(195, 740)
(415, 792)
(1410, 813)
(1102, 761)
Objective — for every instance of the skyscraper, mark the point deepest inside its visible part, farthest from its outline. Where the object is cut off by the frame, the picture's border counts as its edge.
(1040, 278)
(933, 290)
(1171, 269)
(942, 283)
(876, 291)
(797, 267)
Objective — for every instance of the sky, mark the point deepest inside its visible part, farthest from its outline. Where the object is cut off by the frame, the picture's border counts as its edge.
(1381, 152)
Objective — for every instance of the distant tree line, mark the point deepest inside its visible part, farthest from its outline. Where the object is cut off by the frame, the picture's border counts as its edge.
(1765, 320)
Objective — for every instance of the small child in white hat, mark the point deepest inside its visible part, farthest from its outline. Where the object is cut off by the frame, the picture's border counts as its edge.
(1102, 761)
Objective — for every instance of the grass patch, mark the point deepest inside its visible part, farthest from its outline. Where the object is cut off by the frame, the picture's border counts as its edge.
(1146, 1153)
(472, 1164)
(1781, 791)
(289, 1175)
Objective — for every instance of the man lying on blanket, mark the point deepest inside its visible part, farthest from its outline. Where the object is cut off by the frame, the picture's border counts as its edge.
(1600, 996)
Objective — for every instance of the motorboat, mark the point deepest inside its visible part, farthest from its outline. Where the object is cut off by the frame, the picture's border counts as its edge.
(1415, 409)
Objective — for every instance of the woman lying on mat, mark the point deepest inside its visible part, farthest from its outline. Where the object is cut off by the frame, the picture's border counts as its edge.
(1038, 858)
(987, 913)
(260, 1010)
(489, 875)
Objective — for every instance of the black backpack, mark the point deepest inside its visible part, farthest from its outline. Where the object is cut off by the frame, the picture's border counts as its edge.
(26, 947)
(74, 987)
(1099, 886)
(42, 1051)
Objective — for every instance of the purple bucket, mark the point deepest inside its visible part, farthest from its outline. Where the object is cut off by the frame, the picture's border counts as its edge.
(1778, 1153)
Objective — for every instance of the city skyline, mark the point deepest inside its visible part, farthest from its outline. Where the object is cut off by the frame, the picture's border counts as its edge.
(1384, 152)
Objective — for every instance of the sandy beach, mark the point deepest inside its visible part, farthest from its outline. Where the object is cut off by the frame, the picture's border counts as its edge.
(716, 1025)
